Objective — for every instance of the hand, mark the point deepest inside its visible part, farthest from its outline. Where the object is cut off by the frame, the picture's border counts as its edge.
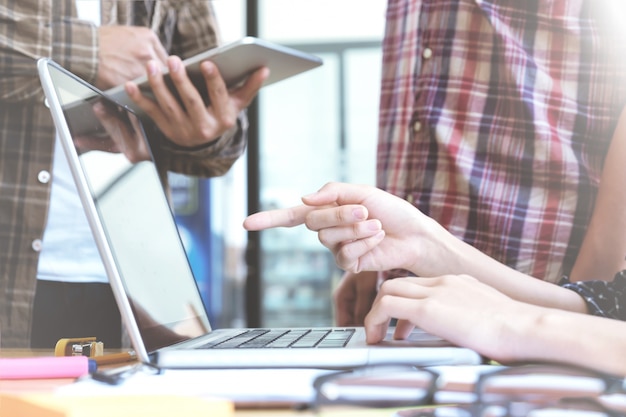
(457, 308)
(119, 135)
(354, 297)
(368, 229)
(192, 123)
(124, 52)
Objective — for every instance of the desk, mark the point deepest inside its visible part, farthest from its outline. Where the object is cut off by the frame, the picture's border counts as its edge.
(48, 385)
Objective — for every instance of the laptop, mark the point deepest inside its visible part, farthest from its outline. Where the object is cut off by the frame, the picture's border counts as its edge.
(148, 268)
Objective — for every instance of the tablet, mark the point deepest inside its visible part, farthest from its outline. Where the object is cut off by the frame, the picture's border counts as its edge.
(235, 61)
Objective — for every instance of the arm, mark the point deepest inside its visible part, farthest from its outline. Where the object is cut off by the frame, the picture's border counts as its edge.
(194, 139)
(604, 248)
(471, 314)
(370, 230)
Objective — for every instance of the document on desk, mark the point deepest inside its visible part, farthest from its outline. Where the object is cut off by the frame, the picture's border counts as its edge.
(289, 387)
(242, 386)
(255, 386)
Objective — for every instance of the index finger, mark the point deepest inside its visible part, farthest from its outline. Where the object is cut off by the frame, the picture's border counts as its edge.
(288, 217)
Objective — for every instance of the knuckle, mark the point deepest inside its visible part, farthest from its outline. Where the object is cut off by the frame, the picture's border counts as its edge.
(339, 216)
(346, 260)
(206, 132)
(386, 301)
(342, 260)
(384, 286)
(323, 237)
(228, 120)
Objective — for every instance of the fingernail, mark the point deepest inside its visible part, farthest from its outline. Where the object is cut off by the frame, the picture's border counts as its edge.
(208, 67)
(152, 68)
(130, 88)
(174, 65)
(359, 213)
(98, 108)
(373, 225)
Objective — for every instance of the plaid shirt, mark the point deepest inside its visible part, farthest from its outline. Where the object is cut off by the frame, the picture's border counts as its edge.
(31, 29)
(496, 116)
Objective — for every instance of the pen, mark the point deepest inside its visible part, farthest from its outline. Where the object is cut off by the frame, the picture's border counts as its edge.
(115, 376)
(46, 367)
(115, 358)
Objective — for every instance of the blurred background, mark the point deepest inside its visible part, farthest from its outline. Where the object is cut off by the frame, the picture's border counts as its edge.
(316, 127)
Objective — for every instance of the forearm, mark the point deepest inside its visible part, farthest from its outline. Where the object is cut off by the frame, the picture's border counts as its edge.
(454, 256)
(554, 335)
(523, 287)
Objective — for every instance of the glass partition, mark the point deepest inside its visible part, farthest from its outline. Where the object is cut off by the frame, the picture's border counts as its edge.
(316, 127)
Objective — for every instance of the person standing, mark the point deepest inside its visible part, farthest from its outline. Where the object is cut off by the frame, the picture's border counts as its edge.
(495, 120)
(52, 282)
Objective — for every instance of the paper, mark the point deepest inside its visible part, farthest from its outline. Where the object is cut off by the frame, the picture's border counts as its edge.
(284, 386)
(291, 386)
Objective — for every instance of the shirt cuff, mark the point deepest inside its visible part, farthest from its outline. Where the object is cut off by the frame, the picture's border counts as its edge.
(603, 298)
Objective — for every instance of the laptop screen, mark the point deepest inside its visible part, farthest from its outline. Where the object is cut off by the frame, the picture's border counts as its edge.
(141, 245)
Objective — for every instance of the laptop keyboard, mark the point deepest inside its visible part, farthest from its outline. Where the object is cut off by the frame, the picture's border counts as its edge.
(283, 338)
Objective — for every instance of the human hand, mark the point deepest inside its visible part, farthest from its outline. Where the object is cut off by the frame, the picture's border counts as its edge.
(354, 296)
(189, 122)
(118, 134)
(124, 52)
(126, 134)
(457, 308)
(368, 229)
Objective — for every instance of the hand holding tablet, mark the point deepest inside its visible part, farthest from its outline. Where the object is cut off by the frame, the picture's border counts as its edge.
(235, 62)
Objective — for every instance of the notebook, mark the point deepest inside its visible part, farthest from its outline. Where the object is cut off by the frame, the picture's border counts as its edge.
(148, 268)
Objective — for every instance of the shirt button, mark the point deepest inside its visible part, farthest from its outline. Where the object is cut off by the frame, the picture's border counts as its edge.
(417, 126)
(43, 177)
(427, 53)
(409, 198)
(36, 245)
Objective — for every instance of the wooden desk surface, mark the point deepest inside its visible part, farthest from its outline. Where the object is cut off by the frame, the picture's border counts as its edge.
(49, 385)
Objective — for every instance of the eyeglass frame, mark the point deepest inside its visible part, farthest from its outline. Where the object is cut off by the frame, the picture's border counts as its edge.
(613, 385)
(428, 397)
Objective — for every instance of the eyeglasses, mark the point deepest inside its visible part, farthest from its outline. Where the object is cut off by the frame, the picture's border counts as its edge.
(376, 386)
(540, 389)
(543, 388)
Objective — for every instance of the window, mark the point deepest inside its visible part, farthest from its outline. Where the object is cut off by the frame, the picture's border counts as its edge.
(316, 127)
